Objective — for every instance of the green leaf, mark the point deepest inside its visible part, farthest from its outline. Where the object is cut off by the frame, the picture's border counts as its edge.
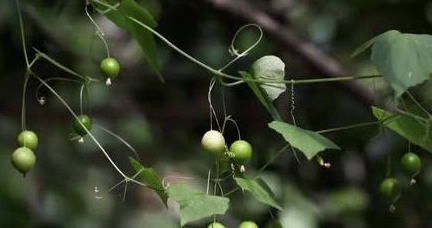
(270, 67)
(308, 142)
(151, 179)
(261, 95)
(405, 60)
(407, 127)
(260, 190)
(129, 8)
(195, 205)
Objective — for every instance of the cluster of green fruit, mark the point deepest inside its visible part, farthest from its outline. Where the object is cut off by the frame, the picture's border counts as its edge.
(213, 143)
(390, 188)
(245, 224)
(24, 159)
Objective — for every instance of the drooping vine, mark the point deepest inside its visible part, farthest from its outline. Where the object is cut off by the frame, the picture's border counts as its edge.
(266, 78)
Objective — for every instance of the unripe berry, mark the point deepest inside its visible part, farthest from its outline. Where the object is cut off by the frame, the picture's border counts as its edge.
(213, 142)
(23, 159)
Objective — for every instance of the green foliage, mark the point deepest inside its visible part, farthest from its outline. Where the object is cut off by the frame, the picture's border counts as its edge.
(151, 179)
(403, 59)
(406, 126)
(195, 205)
(270, 68)
(308, 142)
(261, 95)
(129, 8)
(260, 190)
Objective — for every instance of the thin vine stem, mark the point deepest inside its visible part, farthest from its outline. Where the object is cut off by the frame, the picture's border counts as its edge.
(99, 31)
(418, 104)
(271, 161)
(23, 101)
(22, 34)
(234, 51)
(30, 73)
(262, 168)
(110, 7)
(118, 137)
(81, 99)
(351, 126)
(421, 120)
(221, 74)
(105, 44)
(229, 119)
(64, 68)
(54, 79)
(82, 125)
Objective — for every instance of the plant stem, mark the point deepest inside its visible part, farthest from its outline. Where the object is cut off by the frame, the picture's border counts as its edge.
(350, 127)
(120, 139)
(82, 125)
(221, 74)
(55, 79)
(262, 168)
(22, 34)
(23, 101)
(271, 160)
(418, 104)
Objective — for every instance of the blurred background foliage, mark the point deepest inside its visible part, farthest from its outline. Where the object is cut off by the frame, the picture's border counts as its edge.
(165, 122)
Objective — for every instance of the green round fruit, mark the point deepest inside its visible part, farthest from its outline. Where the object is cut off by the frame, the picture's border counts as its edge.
(242, 151)
(390, 189)
(110, 67)
(248, 224)
(86, 121)
(23, 159)
(215, 225)
(28, 139)
(213, 142)
(410, 164)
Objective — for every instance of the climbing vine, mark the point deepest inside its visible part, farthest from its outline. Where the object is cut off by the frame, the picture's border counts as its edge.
(402, 60)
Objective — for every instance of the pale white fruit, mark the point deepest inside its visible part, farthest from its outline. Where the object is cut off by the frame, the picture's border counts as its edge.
(213, 142)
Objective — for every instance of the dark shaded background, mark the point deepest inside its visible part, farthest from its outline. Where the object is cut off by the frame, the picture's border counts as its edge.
(165, 122)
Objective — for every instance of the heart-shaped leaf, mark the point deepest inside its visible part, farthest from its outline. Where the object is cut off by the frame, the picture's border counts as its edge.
(404, 59)
(260, 190)
(196, 205)
(151, 179)
(407, 127)
(308, 142)
(270, 67)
